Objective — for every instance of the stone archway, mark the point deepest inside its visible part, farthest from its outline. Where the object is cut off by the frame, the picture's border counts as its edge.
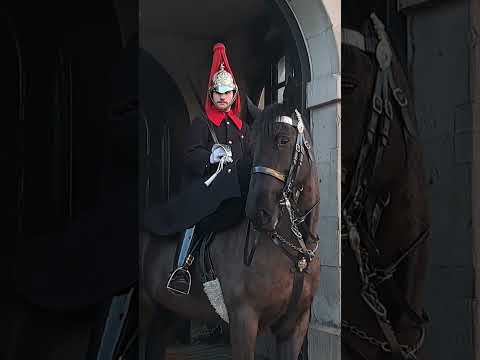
(319, 26)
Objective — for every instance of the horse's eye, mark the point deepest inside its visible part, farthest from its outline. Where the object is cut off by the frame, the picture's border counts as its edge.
(283, 140)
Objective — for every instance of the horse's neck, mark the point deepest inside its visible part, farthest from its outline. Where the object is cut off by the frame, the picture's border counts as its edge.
(232, 240)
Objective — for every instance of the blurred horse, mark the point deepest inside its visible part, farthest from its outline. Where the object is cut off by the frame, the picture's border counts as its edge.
(385, 215)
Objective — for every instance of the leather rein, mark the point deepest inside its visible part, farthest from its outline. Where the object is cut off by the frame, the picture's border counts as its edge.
(375, 141)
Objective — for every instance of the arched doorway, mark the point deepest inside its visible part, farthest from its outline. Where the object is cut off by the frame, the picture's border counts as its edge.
(165, 118)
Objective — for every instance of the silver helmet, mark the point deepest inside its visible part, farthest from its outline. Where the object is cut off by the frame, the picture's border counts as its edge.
(222, 82)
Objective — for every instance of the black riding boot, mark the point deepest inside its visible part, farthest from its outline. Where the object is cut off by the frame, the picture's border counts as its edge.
(180, 280)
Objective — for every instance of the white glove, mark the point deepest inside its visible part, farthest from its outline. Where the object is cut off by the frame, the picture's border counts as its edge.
(216, 155)
(218, 152)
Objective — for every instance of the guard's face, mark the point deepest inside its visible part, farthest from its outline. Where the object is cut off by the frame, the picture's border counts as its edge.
(223, 101)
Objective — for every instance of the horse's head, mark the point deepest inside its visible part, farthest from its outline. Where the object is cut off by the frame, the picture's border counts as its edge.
(358, 80)
(373, 85)
(283, 165)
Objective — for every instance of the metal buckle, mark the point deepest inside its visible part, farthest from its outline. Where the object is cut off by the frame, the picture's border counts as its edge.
(400, 97)
(388, 109)
(300, 126)
(377, 104)
(302, 264)
(383, 54)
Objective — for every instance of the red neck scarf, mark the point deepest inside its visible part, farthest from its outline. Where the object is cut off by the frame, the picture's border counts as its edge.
(214, 115)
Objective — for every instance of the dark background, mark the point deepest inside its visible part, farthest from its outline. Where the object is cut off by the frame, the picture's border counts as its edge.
(69, 151)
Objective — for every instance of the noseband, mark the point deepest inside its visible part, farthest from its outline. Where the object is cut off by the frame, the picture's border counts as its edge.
(289, 195)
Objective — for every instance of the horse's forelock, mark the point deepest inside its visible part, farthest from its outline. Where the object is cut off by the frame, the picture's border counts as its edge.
(264, 125)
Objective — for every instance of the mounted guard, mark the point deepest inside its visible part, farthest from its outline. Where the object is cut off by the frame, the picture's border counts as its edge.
(216, 169)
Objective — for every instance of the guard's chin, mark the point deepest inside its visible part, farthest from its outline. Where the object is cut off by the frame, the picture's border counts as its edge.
(222, 107)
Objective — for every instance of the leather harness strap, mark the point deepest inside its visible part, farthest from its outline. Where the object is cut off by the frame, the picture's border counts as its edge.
(247, 252)
(212, 132)
(284, 324)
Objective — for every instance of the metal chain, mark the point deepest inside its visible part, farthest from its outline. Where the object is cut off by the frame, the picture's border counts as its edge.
(308, 252)
(384, 345)
(370, 295)
(407, 350)
(293, 219)
(369, 291)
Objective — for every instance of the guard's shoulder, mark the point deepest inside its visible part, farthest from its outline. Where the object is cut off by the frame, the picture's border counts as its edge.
(246, 128)
(198, 128)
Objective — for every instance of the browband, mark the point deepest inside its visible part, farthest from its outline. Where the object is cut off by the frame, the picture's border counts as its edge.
(286, 120)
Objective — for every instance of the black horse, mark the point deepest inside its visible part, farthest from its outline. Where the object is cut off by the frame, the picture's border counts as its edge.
(274, 288)
(385, 215)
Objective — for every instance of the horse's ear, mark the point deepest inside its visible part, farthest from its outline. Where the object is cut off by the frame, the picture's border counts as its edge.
(253, 109)
(290, 95)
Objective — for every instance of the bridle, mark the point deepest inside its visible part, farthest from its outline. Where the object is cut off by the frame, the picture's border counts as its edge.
(290, 193)
(375, 141)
